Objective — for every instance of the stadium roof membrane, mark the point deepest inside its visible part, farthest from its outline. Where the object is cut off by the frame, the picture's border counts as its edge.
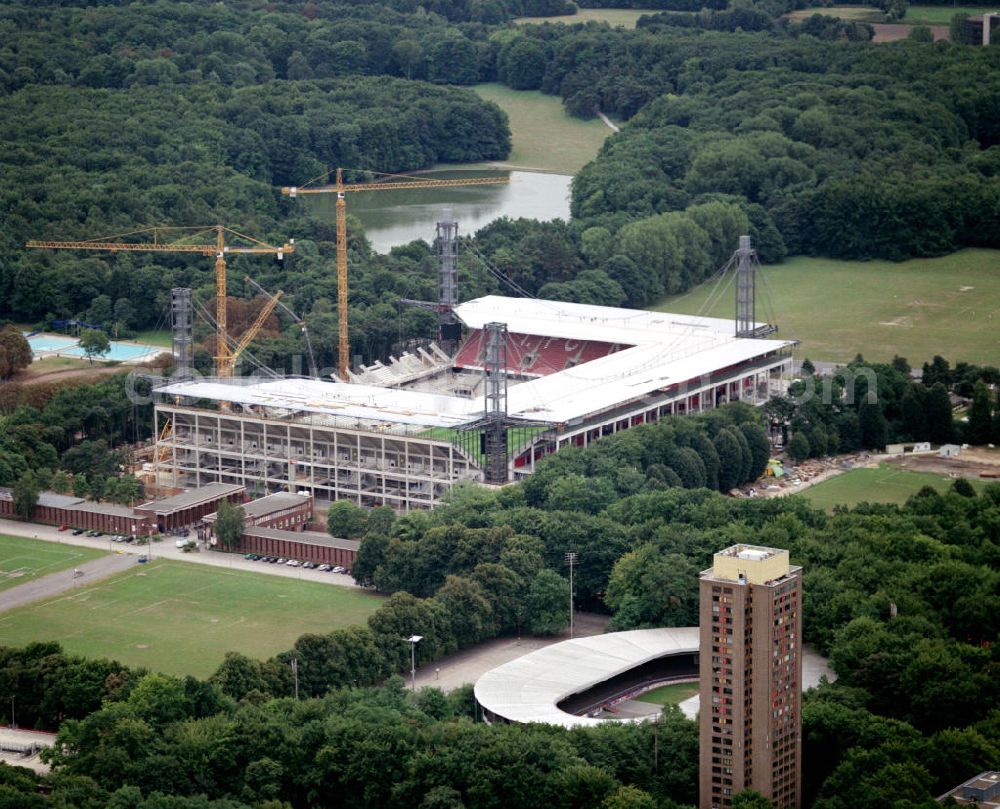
(664, 349)
(529, 688)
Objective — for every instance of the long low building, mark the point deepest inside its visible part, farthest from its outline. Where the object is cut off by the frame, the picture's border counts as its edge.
(187, 508)
(572, 373)
(305, 546)
(282, 510)
(75, 512)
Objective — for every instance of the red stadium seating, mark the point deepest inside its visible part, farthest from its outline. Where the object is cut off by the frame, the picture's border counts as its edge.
(532, 355)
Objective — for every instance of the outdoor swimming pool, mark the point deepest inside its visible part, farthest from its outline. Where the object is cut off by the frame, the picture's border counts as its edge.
(122, 352)
(49, 343)
(44, 344)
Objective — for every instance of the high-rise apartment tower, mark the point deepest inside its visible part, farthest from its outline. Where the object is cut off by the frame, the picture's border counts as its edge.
(751, 677)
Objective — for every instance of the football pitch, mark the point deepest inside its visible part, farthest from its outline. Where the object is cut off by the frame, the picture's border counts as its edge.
(24, 559)
(181, 618)
(671, 694)
(886, 484)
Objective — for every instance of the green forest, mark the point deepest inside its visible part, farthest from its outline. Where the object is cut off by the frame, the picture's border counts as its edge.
(901, 599)
(814, 140)
(115, 116)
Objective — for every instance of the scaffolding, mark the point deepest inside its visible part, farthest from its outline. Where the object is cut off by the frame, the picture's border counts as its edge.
(182, 325)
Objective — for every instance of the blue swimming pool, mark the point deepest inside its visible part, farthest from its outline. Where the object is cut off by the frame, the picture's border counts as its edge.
(49, 343)
(123, 352)
(44, 344)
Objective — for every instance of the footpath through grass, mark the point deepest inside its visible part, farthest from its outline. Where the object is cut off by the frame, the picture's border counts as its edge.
(670, 694)
(918, 308)
(23, 560)
(886, 484)
(181, 618)
(544, 136)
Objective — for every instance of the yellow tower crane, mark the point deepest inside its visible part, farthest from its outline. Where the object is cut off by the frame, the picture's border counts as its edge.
(186, 240)
(340, 189)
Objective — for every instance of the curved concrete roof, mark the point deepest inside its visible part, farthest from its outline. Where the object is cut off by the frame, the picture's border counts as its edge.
(529, 688)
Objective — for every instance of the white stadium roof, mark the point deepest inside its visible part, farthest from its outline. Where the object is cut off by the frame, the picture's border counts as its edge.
(529, 689)
(584, 321)
(666, 349)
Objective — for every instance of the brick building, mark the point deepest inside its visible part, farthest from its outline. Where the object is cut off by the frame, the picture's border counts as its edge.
(75, 512)
(187, 508)
(283, 510)
(306, 546)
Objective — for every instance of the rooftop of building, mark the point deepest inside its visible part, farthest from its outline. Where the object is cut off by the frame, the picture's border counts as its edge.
(193, 497)
(268, 504)
(982, 790)
(308, 537)
(47, 499)
(529, 688)
(663, 350)
(753, 564)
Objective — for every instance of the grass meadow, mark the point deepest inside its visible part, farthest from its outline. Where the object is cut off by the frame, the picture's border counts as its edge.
(24, 559)
(915, 15)
(181, 618)
(545, 136)
(916, 309)
(886, 484)
(616, 17)
(669, 694)
(154, 337)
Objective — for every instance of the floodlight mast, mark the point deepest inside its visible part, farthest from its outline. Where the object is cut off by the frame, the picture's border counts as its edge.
(413, 640)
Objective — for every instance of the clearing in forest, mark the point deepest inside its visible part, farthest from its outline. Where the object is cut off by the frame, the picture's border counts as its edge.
(886, 484)
(616, 17)
(544, 137)
(181, 618)
(837, 309)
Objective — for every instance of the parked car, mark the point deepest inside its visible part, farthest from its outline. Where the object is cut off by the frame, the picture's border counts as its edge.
(323, 568)
(251, 556)
(91, 533)
(77, 532)
(308, 565)
(63, 527)
(292, 563)
(281, 560)
(338, 569)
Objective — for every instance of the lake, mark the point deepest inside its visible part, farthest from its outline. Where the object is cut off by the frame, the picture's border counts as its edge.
(398, 217)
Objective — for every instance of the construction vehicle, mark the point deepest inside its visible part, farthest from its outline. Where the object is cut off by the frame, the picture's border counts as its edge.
(225, 357)
(340, 189)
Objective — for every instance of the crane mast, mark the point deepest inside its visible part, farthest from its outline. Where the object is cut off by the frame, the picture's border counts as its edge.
(341, 189)
(225, 359)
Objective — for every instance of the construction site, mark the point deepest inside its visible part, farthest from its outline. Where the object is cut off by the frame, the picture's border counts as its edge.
(508, 381)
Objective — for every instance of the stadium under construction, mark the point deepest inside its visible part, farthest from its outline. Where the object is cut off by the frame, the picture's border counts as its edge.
(529, 378)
